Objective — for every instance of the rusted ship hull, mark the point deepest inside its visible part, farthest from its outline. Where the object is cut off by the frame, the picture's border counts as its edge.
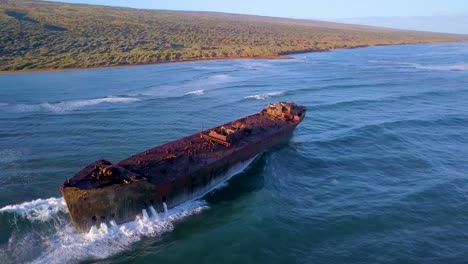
(104, 192)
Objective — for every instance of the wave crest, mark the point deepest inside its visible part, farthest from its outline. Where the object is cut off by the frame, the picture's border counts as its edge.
(220, 77)
(41, 210)
(196, 92)
(264, 96)
(433, 67)
(67, 106)
(64, 244)
(443, 67)
(67, 245)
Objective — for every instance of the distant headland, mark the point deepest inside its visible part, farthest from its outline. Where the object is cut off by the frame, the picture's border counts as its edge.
(38, 36)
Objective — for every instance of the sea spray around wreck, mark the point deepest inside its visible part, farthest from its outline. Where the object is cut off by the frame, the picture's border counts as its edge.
(66, 245)
(38, 210)
(107, 240)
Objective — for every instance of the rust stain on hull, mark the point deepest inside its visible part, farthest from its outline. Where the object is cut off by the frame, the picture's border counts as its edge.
(174, 172)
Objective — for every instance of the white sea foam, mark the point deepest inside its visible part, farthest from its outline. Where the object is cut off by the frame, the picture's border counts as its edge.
(264, 96)
(68, 106)
(220, 77)
(38, 210)
(69, 246)
(443, 67)
(195, 86)
(196, 92)
(255, 65)
(134, 94)
(434, 67)
(12, 155)
(213, 67)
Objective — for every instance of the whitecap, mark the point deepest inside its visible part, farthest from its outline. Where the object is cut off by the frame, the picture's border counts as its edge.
(41, 210)
(434, 67)
(196, 92)
(256, 65)
(134, 94)
(220, 77)
(12, 155)
(213, 68)
(443, 67)
(194, 85)
(67, 106)
(264, 96)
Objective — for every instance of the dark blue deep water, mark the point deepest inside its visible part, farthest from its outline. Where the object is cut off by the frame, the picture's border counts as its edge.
(376, 173)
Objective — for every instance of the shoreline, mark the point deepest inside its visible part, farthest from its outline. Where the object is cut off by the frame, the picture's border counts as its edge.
(281, 56)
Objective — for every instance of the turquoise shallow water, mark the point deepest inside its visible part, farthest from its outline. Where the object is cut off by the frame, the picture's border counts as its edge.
(376, 173)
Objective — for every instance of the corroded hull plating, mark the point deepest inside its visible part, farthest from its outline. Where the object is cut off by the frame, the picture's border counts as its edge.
(176, 172)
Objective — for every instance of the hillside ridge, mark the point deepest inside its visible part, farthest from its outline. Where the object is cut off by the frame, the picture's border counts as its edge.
(38, 35)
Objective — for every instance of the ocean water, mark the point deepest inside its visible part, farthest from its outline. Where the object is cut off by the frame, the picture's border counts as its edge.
(376, 173)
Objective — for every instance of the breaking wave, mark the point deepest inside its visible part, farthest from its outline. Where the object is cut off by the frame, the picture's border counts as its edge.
(197, 85)
(255, 65)
(67, 106)
(11, 154)
(41, 210)
(214, 67)
(434, 67)
(196, 92)
(443, 67)
(66, 245)
(264, 96)
(220, 77)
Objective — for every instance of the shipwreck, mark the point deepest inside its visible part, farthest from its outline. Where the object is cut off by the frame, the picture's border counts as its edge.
(168, 175)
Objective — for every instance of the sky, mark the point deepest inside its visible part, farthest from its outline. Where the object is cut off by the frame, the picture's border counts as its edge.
(429, 15)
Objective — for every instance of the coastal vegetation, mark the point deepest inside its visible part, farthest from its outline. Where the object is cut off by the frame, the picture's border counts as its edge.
(37, 35)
